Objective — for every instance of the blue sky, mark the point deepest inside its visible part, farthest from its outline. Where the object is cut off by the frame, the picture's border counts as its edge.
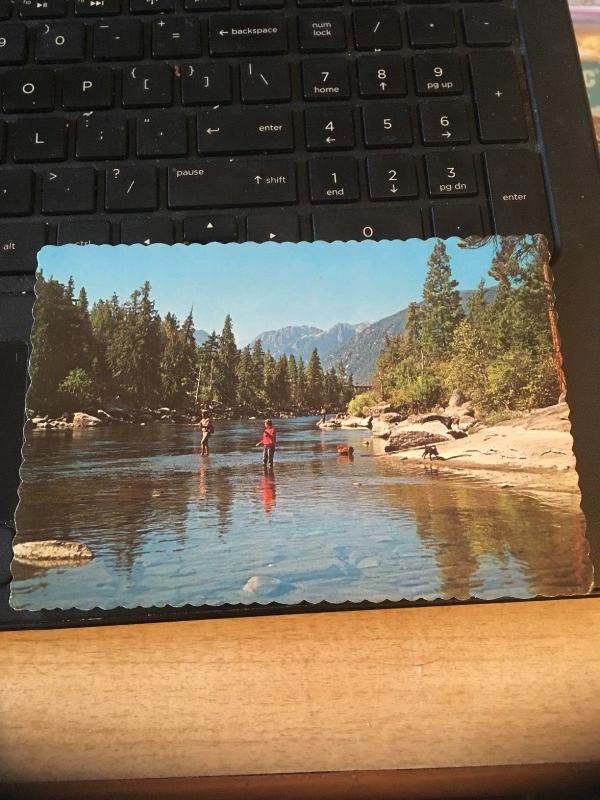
(266, 286)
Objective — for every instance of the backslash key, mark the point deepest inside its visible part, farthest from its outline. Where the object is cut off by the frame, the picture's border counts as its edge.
(228, 182)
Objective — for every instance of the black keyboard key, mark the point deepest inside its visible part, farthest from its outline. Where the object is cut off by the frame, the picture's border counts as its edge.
(273, 228)
(401, 222)
(147, 86)
(387, 125)
(444, 122)
(60, 42)
(28, 90)
(176, 37)
(438, 73)
(208, 183)
(118, 40)
(247, 34)
(377, 29)
(87, 88)
(5, 9)
(321, 32)
(456, 219)
(214, 228)
(392, 177)
(101, 137)
(381, 76)
(152, 6)
(498, 98)
(325, 79)
(162, 134)
(13, 43)
(97, 8)
(329, 128)
(147, 230)
(516, 190)
(488, 24)
(265, 82)
(207, 5)
(451, 174)
(333, 180)
(42, 9)
(38, 139)
(251, 4)
(84, 232)
(20, 243)
(16, 192)
(245, 130)
(69, 191)
(205, 84)
(131, 188)
(431, 26)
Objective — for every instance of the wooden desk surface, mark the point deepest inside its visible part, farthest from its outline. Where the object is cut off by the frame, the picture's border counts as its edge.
(376, 690)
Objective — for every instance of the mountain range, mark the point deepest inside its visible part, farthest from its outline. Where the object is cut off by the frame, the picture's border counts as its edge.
(301, 340)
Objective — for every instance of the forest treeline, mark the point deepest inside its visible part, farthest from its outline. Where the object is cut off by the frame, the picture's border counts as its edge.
(125, 353)
(496, 348)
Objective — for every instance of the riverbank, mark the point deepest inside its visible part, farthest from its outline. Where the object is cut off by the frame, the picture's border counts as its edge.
(531, 452)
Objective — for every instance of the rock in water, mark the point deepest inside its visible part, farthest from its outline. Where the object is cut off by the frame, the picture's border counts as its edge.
(81, 420)
(408, 439)
(52, 552)
(263, 584)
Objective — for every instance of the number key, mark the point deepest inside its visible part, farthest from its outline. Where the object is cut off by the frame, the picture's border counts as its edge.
(450, 174)
(438, 73)
(392, 177)
(329, 128)
(444, 123)
(381, 76)
(333, 180)
(387, 125)
(13, 43)
(325, 79)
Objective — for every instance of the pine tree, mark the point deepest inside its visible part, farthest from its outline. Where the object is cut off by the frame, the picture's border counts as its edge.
(227, 356)
(177, 362)
(441, 310)
(314, 381)
(269, 379)
(292, 380)
(206, 371)
(247, 396)
(258, 370)
(301, 399)
(281, 387)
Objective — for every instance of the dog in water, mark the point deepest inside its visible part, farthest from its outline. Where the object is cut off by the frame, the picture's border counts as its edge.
(430, 452)
(345, 450)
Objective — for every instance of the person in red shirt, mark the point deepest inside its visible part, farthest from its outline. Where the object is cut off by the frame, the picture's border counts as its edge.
(268, 443)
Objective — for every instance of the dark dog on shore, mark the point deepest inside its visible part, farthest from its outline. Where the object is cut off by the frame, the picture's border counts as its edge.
(430, 452)
(345, 450)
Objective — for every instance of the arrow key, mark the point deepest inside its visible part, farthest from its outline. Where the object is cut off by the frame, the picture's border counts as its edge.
(147, 230)
(203, 230)
(69, 191)
(444, 122)
(329, 128)
(273, 228)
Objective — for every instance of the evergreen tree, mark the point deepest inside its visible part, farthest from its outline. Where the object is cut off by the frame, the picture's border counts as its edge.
(314, 381)
(177, 362)
(440, 311)
(227, 356)
(269, 379)
(206, 371)
(247, 395)
(258, 371)
(292, 380)
(301, 396)
(281, 386)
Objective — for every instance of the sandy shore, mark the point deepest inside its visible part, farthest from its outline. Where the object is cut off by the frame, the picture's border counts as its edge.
(533, 453)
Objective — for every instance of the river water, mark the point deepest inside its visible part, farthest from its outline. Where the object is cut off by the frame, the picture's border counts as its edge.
(169, 527)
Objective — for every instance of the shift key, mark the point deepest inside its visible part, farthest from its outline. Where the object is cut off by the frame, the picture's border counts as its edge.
(20, 243)
(209, 183)
(247, 34)
(517, 192)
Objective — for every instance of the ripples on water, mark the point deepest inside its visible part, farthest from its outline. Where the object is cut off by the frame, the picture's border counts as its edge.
(169, 527)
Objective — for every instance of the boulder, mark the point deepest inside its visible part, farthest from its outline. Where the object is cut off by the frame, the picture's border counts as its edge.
(39, 420)
(330, 423)
(384, 424)
(52, 552)
(421, 419)
(356, 422)
(81, 420)
(409, 438)
(377, 410)
(457, 399)
(263, 584)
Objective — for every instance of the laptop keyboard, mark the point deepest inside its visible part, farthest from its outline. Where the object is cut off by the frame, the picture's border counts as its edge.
(143, 121)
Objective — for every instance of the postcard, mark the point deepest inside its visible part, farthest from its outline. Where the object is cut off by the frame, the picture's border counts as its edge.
(278, 423)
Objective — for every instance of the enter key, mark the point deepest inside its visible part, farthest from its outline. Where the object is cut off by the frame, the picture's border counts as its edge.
(245, 130)
(517, 193)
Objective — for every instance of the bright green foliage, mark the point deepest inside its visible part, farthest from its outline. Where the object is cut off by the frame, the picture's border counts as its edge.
(77, 390)
(499, 354)
(361, 401)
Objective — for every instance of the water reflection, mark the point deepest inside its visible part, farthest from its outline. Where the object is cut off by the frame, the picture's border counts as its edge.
(167, 526)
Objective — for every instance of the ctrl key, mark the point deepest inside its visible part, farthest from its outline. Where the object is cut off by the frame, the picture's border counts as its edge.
(20, 243)
(84, 232)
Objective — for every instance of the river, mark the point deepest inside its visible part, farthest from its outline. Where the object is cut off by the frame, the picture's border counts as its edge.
(169, 527)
